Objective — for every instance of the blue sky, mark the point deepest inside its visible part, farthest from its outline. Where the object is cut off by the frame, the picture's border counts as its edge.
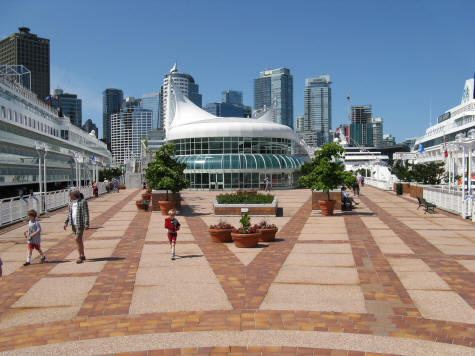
(403, 57)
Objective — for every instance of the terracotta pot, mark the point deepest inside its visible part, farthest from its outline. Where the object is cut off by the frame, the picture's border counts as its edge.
(327, 207)
(267, 234)
(245, 240)
(146, 196)
(139, 204)
(220, 235)
(166, 206)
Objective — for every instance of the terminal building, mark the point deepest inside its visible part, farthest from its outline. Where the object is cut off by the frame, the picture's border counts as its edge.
(229, 152)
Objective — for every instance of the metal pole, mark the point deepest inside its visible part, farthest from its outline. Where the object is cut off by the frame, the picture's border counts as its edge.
(45, 180)
(40, 183)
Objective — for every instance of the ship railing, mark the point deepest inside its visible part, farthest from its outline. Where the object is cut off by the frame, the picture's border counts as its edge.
(381, 184)
(14, 209)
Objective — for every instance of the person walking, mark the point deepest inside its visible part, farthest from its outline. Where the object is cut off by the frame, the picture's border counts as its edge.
(95, 189)
(116, 185)
(266, 184)
(33, 234)
(362, 181)
(78, 216)
(172, 225)
(356, 188)
(106, 184)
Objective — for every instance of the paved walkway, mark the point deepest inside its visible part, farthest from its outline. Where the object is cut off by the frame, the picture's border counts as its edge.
(383, 279)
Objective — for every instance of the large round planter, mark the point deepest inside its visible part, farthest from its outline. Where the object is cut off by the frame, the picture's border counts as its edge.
(245, 240)
(267, 235)
(166, 206)
(221, 235)
(327, 207)
(139, 204)
(146, 196)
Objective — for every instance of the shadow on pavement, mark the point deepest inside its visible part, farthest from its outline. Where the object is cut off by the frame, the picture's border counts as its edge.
(100, 259)
(188, 256)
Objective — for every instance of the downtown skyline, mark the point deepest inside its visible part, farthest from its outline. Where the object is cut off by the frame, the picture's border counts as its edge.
(403, 62)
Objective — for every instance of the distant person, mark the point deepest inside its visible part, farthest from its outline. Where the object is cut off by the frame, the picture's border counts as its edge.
(172, 224)
(33, 234)
(116, 185)
(95, 189)
(362, 181)
(346, 199)
(266, 184)
(356, 188)
(106, 184)
(78, 216)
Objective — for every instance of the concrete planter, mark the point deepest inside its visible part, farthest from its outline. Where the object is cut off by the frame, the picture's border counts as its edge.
(252, 209)
(161, 195)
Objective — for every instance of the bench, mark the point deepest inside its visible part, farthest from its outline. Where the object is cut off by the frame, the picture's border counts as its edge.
(346, 205)
(428, 207)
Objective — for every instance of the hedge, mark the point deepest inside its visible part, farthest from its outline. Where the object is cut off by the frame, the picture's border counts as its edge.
(233, 198)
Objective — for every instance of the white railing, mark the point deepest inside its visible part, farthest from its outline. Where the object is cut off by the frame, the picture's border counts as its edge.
(450, 200)
(381, 184)
(14, 209)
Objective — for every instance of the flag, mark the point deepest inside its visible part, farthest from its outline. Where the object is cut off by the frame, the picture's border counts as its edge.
(92, 158)
(421, 148)
(102, 161)
(446, 154)
(25, 200)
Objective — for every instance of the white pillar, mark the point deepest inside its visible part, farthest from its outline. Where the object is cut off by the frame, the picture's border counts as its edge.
(45, 180)
(40, 183)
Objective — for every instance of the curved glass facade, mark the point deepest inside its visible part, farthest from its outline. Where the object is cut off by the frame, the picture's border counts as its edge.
(237, 162)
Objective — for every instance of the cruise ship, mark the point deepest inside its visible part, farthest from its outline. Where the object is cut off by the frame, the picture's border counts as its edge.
(34, 139)
(440, 140)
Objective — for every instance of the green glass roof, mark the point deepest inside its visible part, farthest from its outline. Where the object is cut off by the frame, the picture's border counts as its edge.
(241, 162)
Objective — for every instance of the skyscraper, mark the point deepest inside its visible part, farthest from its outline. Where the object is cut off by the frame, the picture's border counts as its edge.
(152, 102)
(317, 107)
(274, 89)
(231, 97)
(69, 104)
(187, 86)
(360, 117)
(128, 127)
(225, 110)
(111, 103)
(376, 124)
(31, 51)
(90, 126)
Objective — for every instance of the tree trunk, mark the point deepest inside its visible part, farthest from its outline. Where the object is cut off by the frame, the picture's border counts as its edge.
(328, 195)
(167, 195)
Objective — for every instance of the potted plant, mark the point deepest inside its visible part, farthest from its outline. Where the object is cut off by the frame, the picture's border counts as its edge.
(327, 172)
(267, 231)
(221, 232)
(246, 235)
(166, 173)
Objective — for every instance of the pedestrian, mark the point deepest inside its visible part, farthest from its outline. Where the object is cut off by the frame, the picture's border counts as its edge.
(356, 188)
(362, 181)
(266, 184)
(106, 184)
(172, 224)
(78, 216)
(116, 185)
(95, 189)
(33, 234)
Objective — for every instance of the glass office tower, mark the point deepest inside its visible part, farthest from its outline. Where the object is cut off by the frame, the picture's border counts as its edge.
(317, 108)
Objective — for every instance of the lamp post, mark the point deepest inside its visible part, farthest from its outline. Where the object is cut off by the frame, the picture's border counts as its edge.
(45, 180)
(40, 183)
(467, 143)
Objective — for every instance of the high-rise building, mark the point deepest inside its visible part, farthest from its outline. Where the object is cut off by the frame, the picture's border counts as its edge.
(317, 107)
(389, 140)
(90, 126)
(68, 104)
(187, 86)
(360, 131)
(376, 124)
(152, 102)
(225, 110)
(299, 123)
(231, 97)
(131, 102)
(31, 51)
(111, 103)
(128, 127)
(274, 89)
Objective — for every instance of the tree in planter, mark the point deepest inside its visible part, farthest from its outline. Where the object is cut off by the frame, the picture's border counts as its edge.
(428, 173)
(165, 173)
(401, 172)
(328, 171)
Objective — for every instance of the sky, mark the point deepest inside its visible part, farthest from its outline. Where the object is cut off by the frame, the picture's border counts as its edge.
(409, 59)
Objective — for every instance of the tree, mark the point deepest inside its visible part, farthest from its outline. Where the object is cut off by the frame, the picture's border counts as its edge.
(109, 173)
(428, 173)
(164, 172)
(401, 171)
(327, 170)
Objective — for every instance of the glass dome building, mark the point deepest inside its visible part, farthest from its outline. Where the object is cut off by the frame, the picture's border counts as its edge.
(230, 153)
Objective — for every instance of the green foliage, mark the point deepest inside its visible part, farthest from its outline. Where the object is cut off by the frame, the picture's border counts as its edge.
(165, 173)
(364, 172)
(245, 227)
(327, 172)
(245, 198)
(424, 173)
(109, 173)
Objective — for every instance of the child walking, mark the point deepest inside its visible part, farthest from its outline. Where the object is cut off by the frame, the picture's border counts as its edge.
(33, 234)
(172, 224)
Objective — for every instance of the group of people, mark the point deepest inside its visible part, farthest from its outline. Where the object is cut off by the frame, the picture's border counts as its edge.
(112, 185)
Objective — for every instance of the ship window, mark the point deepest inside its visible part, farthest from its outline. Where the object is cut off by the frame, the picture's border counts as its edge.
(15, 116)
(29, 121)
(3, 112)
(9, 114)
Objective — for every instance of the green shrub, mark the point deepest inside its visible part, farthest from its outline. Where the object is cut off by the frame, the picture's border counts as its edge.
(233, 198)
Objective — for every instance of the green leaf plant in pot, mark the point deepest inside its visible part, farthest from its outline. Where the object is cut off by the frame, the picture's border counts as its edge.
(166, 173)
(327, 172)
(246, 235)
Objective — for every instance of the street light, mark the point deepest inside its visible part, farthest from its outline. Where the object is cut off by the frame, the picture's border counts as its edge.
(40, 183)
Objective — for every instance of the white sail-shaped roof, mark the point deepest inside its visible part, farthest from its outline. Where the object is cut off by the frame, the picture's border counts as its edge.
(187, 120)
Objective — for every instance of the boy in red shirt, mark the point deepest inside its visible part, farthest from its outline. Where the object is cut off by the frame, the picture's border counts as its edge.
(172, 224)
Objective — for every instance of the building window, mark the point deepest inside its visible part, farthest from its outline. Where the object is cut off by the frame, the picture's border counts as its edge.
(15, 115)
(3, 112)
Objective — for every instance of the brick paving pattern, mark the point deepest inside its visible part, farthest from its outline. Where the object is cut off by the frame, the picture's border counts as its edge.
(385, 275)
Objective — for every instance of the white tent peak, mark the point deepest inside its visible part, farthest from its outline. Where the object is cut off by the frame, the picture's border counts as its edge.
(174, 68)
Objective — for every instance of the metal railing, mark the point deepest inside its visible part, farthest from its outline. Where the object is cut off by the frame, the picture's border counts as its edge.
(381, 184)
(450, 199)
(14, 209)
